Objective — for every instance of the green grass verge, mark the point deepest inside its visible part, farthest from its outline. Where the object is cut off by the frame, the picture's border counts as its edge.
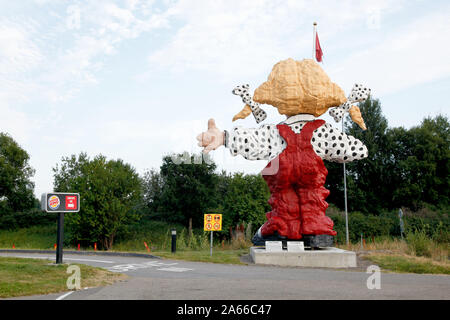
(409, 264)
(23, 277)
(37, 237)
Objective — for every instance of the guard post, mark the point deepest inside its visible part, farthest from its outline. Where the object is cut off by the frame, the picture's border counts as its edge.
(174, 240)
(60, 202)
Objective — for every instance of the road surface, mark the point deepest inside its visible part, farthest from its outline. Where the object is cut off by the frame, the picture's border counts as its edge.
(174, 279)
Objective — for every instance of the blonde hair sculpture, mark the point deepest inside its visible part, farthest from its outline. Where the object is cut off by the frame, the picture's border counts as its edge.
(295, 87)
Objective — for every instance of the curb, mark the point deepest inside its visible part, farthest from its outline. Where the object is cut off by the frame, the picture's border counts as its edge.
(84, 253)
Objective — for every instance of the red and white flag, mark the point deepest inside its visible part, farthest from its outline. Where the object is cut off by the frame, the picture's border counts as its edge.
(319, 52)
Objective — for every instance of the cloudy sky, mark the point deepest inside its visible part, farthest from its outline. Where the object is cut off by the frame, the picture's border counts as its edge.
(138, 79)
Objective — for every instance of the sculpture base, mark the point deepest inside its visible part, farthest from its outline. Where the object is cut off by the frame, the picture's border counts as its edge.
(323, 258)
(313, 241)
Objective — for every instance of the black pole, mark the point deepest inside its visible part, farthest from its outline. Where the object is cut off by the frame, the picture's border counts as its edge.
(60, 239)
(174, 240)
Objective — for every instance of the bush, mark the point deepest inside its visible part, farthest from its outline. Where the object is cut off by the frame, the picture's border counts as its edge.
(32, 217)
(368, 225)
(419, 243)
(434, 225)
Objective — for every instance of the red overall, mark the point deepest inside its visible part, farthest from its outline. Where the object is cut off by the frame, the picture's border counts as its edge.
(297, 187)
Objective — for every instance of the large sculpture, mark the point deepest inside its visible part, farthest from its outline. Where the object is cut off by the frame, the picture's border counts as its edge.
(295, 148)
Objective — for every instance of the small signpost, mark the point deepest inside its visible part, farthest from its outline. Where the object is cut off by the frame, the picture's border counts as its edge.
(212, 222)
(402, 225)
(60, 202)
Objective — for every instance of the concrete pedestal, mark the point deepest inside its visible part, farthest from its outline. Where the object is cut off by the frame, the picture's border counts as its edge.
(328, 257)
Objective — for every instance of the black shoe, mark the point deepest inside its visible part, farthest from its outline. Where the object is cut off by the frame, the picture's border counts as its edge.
(318, 241)
(259, 240)
(313, 241)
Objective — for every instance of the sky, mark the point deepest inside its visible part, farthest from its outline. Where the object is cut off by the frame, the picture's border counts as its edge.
(139, 79)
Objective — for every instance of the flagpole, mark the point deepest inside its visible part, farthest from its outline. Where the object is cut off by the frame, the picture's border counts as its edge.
(345, 195)
(314, 40)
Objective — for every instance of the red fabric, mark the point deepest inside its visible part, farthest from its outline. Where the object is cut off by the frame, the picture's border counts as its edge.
(319, 52)
(297, 188)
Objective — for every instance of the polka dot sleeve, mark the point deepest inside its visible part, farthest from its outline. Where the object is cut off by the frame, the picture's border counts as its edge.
(263, 143)
(331, 144)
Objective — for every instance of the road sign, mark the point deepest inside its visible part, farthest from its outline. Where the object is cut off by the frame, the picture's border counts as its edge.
(60, 202)
(213, 222)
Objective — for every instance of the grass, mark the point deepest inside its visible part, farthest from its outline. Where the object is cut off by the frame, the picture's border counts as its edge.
(409, 264)
(23, 277)
(432, 250)
(36, 237)
(417, 254)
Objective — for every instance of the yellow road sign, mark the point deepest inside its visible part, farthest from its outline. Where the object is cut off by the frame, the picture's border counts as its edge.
(213, 222)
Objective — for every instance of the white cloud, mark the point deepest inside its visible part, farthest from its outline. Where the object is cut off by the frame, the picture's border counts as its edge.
(413, 54)
(235, 39)
(232, 37)
(33, 59)
(18, 53)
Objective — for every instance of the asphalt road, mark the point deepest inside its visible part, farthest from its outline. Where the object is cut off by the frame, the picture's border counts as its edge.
(174, 279)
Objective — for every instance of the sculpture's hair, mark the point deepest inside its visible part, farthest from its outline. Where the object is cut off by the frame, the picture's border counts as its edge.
(295, 87)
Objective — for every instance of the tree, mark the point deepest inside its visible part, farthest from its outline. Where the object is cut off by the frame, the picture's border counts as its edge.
(422, 168)
(364, 191)
(243, 199)
(188, 189)
(16, 188)
(109, 190)
(152, 187)
(405, 168)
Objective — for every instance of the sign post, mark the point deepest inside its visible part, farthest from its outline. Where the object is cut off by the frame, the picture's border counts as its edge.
(211, 246)
(60, 238)
(60, 203)
(402, 225)
(212, 222)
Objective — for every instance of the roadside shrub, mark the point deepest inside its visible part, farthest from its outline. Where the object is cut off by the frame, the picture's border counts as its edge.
(419, 243)
(26, 219)
(369, 225)
(434, 224)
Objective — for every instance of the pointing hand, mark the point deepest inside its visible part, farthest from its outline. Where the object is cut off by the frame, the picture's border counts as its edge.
(211, 139)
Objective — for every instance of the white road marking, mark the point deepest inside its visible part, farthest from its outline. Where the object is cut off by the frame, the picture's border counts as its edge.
(90, 260)
(65, 295)
(136, 266)
(29, 257)
(124, 267)
(175, 269)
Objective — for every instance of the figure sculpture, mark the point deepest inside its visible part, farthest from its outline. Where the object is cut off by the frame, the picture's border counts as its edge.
(295, 148)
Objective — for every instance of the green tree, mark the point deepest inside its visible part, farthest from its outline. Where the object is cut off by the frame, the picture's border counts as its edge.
(109, 190)
(405, 167)
(16, 188)
(369, 180)
(152, 187)
(243, 199)
(422, 167)
(188, 191)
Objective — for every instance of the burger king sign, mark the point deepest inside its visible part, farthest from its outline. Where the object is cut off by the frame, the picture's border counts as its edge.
(54, 202)
(60, 202)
